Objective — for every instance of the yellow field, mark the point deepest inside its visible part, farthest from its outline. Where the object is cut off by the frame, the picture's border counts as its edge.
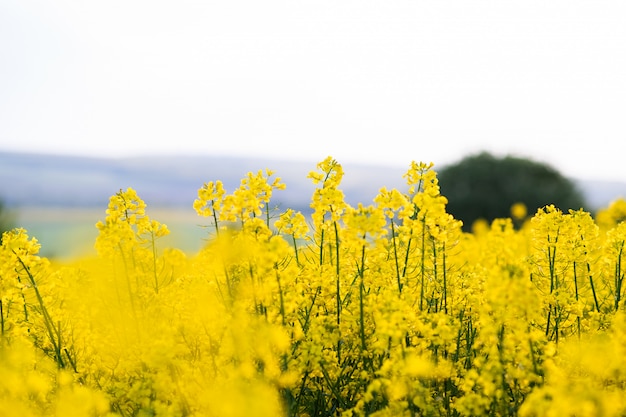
(384, 309)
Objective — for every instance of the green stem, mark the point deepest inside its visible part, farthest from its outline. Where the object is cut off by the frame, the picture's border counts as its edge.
(553, 280)
(154, 263)
(576, 295)
(445, 279)
(70, 359)
(338, 285)
(593, 288)
(361, 296)
(217, 229)
(23, 300)
(619, 277)
(433, 300)
(280, 294)
(295, 248)
(548, 321)
(306, 324)
(395, 256)
(322, 247)
(55, 339)
(552, 268)
(406, 256)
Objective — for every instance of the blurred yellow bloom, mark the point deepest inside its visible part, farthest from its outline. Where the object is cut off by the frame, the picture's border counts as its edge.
(612, 215)
(519, 211)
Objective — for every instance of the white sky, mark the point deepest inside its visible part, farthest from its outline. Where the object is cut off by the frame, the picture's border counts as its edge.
(383, 82)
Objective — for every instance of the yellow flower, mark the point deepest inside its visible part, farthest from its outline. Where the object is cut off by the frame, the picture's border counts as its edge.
(519, 211)
(126, 223)
(416, 176)
(328, 198)
(292, 223)
(612, 215)
(250, 198)
(362, 222)
(392, 202)
(210, 199)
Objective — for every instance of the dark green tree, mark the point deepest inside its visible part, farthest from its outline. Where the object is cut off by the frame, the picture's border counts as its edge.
(483, 186)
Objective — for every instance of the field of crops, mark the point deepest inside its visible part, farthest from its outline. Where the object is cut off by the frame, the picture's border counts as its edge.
(383, 309)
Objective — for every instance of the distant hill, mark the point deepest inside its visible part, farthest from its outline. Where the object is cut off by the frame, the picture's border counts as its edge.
(66, 181)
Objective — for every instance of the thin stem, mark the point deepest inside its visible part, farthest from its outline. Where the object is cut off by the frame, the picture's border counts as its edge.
(217, 229)
(321, 247)
(433, 299)
(423, 266)
(445, 279)
(23, 301)
(361, 296)
(576, 295)
(55, 339)
(295, 248)
(282, 301)
(154, 263)
(338, 285)
(619, 277)
(406, 256)
(395, 255)
(593, 288)
(553, 282)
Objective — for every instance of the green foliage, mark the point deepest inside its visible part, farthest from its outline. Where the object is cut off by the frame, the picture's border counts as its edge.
(483, 186)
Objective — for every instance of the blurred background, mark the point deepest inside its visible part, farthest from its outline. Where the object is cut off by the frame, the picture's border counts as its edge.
(59, 199)
(163, 96)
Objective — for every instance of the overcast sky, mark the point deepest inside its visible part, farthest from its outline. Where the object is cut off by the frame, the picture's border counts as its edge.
(383, 82)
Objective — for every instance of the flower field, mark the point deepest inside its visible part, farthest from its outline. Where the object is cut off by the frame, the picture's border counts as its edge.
(385, 309)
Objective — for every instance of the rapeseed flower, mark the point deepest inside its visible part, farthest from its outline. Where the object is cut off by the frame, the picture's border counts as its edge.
(380, 309)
